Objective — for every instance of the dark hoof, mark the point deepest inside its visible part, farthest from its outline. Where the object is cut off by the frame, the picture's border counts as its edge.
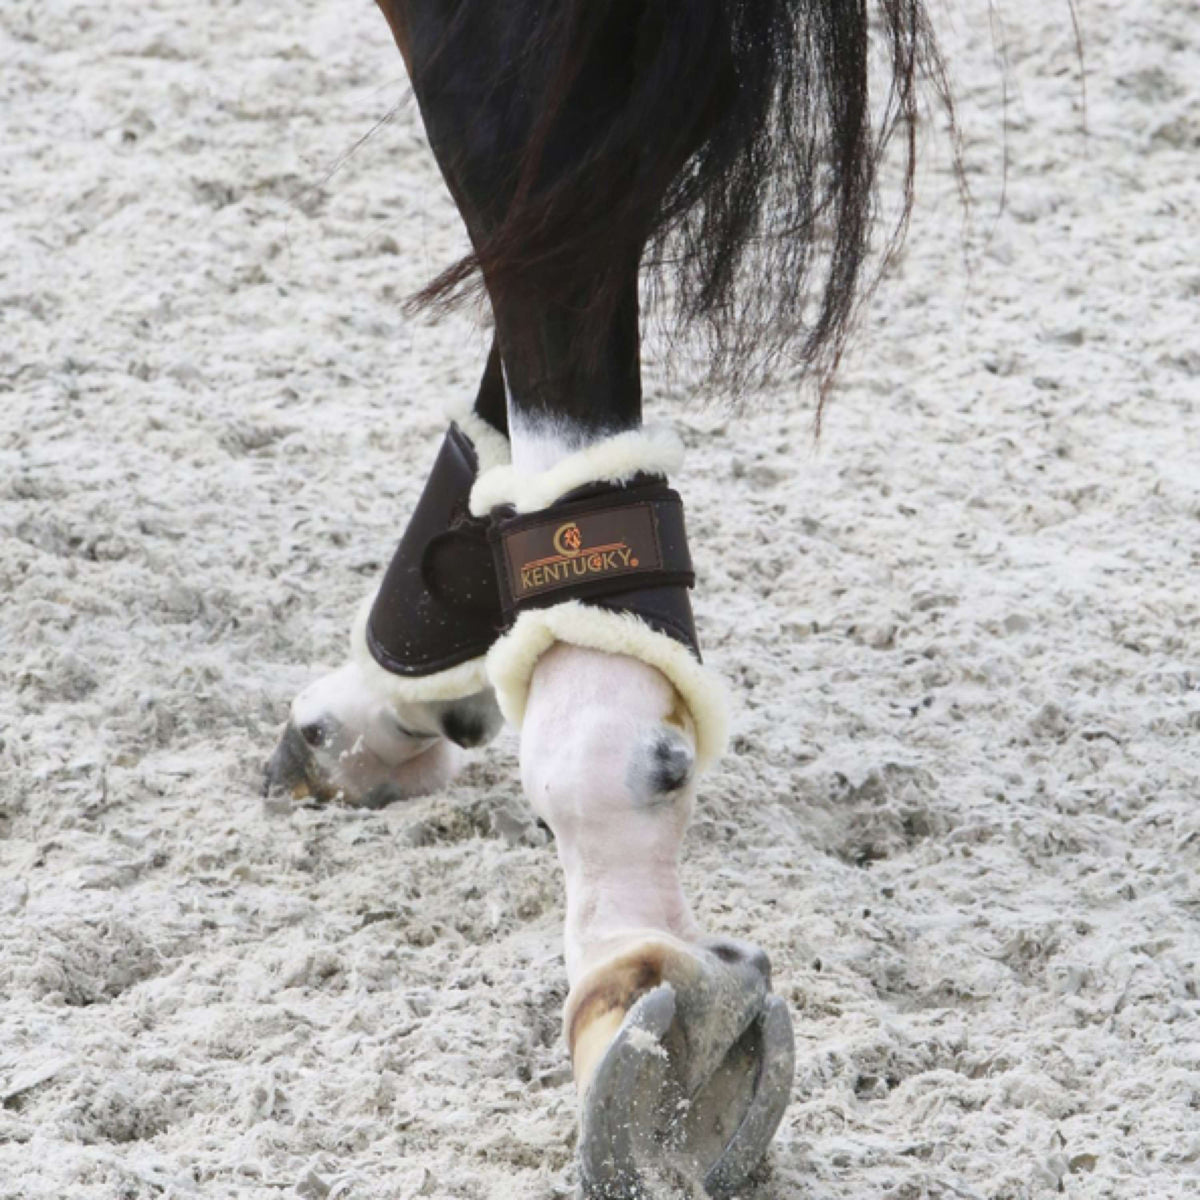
(695, 1082)
(287, 772)
(624, 1101)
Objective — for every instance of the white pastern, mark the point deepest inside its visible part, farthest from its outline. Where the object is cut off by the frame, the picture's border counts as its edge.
(604, 763)
(361, 739)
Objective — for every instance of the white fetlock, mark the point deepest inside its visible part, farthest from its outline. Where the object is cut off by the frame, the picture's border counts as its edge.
(347, 741)
(608, 762)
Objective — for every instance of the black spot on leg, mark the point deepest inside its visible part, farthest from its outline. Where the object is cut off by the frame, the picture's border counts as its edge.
(742, 955)
(470, 721)
(670, 763)
(464, 728)
(730, 951)
(661, 767)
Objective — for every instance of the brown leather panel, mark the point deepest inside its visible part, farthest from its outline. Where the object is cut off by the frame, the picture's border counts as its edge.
(619, 547)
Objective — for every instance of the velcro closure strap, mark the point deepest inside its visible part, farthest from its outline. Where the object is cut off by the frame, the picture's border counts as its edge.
(597, 541)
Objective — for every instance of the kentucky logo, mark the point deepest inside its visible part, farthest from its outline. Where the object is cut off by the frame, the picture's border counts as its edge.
(550, 555)
(574, 561)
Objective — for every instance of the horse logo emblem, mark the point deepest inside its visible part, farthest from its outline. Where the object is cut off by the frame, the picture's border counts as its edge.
(568, 540)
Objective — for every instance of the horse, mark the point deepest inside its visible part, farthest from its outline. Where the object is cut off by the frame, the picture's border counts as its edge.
(722, 156)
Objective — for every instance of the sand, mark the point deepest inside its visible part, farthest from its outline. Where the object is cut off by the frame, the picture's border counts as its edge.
(961, 808)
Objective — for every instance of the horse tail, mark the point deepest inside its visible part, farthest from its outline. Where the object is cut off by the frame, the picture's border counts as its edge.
(733, 146)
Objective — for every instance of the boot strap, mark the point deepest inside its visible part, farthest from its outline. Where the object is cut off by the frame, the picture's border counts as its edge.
(620, 547)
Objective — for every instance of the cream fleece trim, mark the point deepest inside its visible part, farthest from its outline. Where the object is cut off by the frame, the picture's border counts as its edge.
(654, 449)
(490, 444)
(511, 661)
(451, 684)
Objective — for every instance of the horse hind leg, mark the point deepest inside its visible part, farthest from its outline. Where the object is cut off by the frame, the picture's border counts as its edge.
(682, 1056)
(360, 734)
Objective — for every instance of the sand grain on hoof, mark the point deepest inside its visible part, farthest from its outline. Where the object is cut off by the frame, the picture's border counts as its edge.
(684, 1065)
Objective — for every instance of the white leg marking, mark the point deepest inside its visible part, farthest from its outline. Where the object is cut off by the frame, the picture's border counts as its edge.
(538, 442)
(601, 738)
(359, 739)
(654, 1015)
(602, 733)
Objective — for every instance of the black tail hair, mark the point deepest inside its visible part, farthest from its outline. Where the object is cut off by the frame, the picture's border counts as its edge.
(739, 148)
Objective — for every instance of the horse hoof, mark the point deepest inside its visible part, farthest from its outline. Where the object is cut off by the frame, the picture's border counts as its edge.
(324, 764)
(348, 740)
(685, 1061)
